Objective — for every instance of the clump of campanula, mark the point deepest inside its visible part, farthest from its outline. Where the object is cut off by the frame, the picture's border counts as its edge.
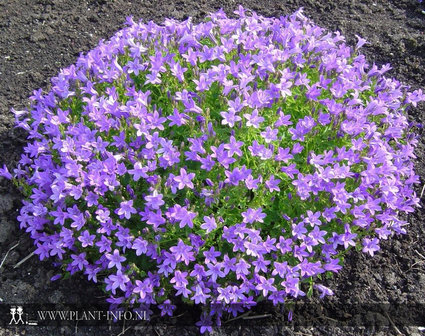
(226, 163)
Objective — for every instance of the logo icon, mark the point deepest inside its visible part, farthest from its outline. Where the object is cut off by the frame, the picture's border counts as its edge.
(16, 313)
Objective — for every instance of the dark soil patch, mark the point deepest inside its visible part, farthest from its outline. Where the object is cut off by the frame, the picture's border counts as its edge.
(38, 37)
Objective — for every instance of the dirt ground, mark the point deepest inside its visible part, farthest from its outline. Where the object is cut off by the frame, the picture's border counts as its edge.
(38, 37)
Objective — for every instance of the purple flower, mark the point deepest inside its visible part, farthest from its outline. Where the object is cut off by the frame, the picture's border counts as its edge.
(292, 287)
(91, 272)
(126, 209)
(205, 324)
(182, 252)
(300, 252)
(253, 215)
(102, 215)
(222, 156)
(370, 245)
(197, 145)
(55, 277)
(214, 271)
(144, 288)
(254, 120)
(252, 183)
(119, 280)
(283, 120)
(317, 235)
(347, 237)
(184, 216)
(265, 285)
(115, 259)
(5, 173)
(298, 230)
(280, 269)
(207, 163)
(86, 238)
(324, 119)
(324, 291)
(261, 264)
(154, 218)
(283, 154)
(140, 245)
(225, 294)
(242, 268)
(91, 199)
(284, 245)
(273, 184)
(228, 264)
(237, 105)
(167, 308)
(198, 272)
(43, 251)
(184, 179)
(179, 279)
(209, 224)
(201, 294)
(269, 134)
(104, 244)
(138, 171)
(230, 118)
(154, 201)
(79, 260)
(361, 42)
(177, 70)
(297, 148)
(313, 218)
(233, 177)
(177, 118)
(332, 265)
(210, 256)
(234, 147)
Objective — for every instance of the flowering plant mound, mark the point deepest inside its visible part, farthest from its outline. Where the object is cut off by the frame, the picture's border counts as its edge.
(227, 162)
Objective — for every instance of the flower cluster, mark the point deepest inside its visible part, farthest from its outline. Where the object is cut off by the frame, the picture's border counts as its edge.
(226, 162)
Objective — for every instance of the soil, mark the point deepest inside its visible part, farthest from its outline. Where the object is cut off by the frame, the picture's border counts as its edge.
(38, 37)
